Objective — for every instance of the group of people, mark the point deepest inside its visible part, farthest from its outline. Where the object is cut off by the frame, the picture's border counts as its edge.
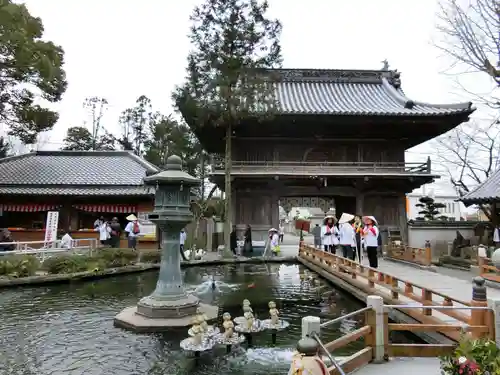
(110, 232)
(351, 234)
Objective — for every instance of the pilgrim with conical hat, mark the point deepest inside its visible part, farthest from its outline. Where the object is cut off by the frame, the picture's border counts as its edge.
(329, 233)
(347, 236)
(274, 241)
(370, 234)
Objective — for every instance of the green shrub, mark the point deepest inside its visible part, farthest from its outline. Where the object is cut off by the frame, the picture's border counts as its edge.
(19, 265)
(117, 257)
(68, 264)
(151, 256)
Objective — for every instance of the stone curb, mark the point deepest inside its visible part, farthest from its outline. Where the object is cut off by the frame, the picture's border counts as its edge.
(431, 268)
(136, 268)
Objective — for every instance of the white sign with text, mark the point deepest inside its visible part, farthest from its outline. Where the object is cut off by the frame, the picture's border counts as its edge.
(51, 226)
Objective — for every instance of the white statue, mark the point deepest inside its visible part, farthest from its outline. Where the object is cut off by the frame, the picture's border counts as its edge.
(274, 313)
(246, 303)
(248, 314)
(228, 326)
(196, 332)
(202, 319)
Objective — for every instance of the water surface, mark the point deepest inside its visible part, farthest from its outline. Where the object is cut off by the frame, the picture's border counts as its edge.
(68, 329)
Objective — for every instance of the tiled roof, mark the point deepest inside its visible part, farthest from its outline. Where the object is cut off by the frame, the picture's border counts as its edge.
(74, 173)
(351, 92)
(488, 191)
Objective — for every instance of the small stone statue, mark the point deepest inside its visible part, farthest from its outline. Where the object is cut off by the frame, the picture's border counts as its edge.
(228, 326)
(246, 303)
(202, 319)
(306, 360)
(248, 314)
(196, 333)
(274, 313)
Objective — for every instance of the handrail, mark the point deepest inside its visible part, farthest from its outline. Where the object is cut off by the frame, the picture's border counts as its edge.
(439, 307)
(326, 166)
(340, 318)
(353, 264)
(314, 335)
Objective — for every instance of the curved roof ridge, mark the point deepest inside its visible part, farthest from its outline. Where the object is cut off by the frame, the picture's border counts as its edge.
(399, 95)
(396, 95)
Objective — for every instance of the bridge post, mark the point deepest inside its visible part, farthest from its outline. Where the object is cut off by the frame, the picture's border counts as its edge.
(479, 299)
(310, 325)
(494, 320)
(378, 329)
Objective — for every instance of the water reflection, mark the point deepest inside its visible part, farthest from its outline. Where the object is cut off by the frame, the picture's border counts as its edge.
(69, 328)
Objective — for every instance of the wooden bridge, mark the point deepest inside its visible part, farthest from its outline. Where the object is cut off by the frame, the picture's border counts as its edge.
(432, 303)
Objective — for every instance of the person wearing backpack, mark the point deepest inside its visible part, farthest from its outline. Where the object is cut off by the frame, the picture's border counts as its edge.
(133, 230)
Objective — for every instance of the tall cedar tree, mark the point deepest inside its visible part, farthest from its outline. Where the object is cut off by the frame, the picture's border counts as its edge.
(30, 68)
(231, 41)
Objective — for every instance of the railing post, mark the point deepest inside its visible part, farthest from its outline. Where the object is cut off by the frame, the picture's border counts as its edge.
(494, 321)
(428, 253)
(310, 325)
(479, 299)
(378, 332)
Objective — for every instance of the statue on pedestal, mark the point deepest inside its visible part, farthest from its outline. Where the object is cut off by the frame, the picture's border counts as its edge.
(274, 313)
(307, 360)
(246, 303)
(228, 325)
(202, 319)
(248, 314)
(196, 333)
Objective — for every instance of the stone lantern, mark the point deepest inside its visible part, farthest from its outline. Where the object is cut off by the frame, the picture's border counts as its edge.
(495, 259)
(169, 305)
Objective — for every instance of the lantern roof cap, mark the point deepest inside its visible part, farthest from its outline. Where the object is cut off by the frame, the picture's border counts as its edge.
(173, 174)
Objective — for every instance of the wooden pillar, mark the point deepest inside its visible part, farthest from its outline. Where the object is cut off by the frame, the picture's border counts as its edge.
(478, 317)
(403, 221)
(360, 202)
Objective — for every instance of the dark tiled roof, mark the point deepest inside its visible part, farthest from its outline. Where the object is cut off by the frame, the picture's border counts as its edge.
(488, 191)
(352, 92)
(74, 173)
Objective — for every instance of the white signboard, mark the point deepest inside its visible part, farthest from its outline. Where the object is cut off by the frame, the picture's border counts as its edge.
(51, 226)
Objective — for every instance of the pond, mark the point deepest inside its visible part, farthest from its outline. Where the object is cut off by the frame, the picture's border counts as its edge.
(68, 329)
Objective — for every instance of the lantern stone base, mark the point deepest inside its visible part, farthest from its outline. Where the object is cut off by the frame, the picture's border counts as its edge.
(160, 320)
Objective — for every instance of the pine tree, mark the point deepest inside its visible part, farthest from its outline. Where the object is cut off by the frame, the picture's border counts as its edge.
(429, 209)
(233, 43)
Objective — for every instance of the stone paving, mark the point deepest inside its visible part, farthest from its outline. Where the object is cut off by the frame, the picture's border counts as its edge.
(406, 366)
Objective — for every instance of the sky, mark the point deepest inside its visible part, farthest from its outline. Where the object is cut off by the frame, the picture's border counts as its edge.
(121, 50)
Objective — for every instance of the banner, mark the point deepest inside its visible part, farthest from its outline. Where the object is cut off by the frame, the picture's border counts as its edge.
(51, 226)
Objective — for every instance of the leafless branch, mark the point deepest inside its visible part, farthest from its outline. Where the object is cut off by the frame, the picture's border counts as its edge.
(469, 154)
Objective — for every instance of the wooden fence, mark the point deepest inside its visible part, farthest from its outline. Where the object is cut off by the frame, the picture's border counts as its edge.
(376, 335)
(415, 255)
(425, 305)
(487, 270)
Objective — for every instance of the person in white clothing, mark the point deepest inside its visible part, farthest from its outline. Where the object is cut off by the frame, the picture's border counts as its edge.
(496, 236)
(182, 241)
(281, 233)
(133, 230)
(274, 241)
(66, 241)
(347, 236)
(104, 232)
(370, 234)
(329, 234)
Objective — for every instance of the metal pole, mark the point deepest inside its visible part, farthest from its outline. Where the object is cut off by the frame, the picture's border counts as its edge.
(330, 357)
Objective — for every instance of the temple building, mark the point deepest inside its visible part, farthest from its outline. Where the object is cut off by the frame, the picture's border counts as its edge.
(488, 194)
(80, 185)
(337, 140)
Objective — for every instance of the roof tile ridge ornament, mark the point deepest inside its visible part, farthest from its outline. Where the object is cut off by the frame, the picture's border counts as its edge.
(329, 75)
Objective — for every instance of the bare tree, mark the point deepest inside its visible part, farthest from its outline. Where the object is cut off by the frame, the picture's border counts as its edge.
(470, 35)
(470, 154)
(95, 107)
